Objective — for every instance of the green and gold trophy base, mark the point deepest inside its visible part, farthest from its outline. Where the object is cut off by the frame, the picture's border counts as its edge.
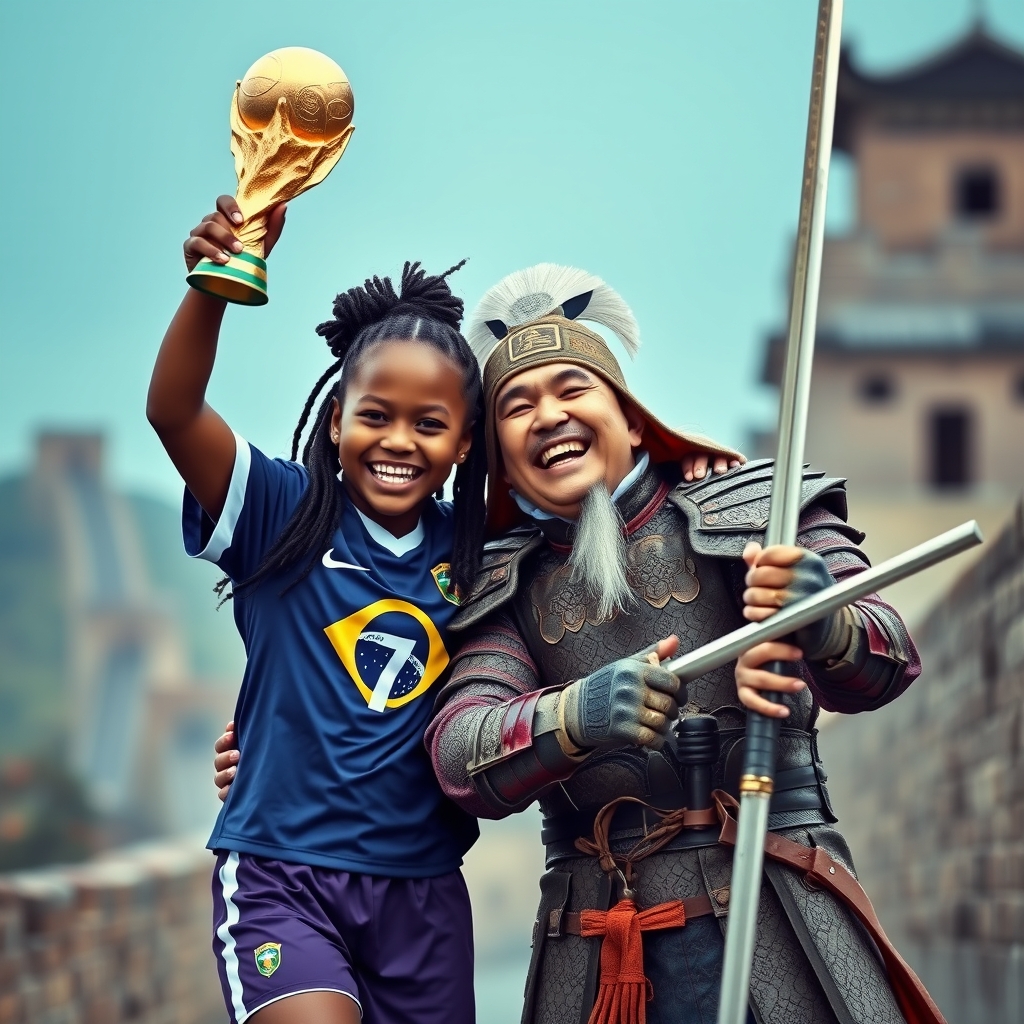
(243, 279)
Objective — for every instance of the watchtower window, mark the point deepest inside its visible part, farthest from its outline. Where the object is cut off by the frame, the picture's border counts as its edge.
(876, 389)
(977, 193)
(950, 437)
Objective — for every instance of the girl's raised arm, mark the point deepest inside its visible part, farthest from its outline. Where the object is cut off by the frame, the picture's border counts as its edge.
(201, 445)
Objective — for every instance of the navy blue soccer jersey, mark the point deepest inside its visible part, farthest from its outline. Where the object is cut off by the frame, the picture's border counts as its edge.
(337, 690)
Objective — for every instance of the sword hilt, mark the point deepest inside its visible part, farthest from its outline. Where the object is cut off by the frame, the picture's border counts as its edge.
(762, 742)
(697, 750)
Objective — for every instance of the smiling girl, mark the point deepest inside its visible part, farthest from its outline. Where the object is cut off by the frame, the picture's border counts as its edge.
(337, 889)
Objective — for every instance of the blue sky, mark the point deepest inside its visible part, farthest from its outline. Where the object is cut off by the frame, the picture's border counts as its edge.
(656, 144)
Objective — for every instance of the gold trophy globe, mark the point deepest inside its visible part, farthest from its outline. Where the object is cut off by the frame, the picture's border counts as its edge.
(291, 119)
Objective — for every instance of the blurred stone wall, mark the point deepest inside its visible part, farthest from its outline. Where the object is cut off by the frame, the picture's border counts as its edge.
(930, 793)
(125, 938)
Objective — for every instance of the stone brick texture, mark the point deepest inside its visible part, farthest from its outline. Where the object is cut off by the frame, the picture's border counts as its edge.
(125, 938)
(930, 792)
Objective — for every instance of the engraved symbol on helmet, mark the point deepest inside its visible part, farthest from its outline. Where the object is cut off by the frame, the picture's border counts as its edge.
(527, 342)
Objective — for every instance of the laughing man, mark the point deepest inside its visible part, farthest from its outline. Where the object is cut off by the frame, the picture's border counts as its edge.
(601, 551)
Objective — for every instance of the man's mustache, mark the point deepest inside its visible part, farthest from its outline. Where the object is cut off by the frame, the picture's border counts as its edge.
(570, 431)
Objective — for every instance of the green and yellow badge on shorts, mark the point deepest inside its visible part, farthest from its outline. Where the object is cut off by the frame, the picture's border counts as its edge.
(268, 958)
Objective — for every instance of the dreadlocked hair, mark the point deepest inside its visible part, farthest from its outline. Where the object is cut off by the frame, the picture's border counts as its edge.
(423, 310)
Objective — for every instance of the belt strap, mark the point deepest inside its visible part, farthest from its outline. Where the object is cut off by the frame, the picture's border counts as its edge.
(796, 789)
(568, 923)
(628, 817)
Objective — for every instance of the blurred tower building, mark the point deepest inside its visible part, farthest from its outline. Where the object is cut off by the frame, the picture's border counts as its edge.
(918, 386)
(111, 663)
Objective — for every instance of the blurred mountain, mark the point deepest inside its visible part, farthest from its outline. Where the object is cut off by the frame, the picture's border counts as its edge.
(117, 671)
(186, 585)
(32, 637)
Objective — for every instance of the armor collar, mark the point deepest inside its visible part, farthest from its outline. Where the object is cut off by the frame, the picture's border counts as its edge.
(636, 505)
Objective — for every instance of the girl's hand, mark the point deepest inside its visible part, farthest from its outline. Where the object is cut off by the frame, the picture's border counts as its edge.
(214, 236)
(695, 467)
(225, 763)
(770, 578)
(780, 575)
(752, 678)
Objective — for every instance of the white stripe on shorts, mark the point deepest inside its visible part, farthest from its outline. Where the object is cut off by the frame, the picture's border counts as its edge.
(229, 886)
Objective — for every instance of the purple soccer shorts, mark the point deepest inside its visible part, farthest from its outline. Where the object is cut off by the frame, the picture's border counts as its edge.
(402, 948)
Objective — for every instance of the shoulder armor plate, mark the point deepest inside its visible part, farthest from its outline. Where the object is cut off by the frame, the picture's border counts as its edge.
(497, 579)
(725, 512)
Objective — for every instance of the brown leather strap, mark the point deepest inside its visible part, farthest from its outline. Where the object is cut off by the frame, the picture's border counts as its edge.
(822, 871)
(569, 923)
(695, 819)
(671, 824)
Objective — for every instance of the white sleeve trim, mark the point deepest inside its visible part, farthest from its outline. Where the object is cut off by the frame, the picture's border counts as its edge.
(224, 531)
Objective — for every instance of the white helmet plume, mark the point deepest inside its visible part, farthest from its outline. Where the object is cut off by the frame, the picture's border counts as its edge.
(528, 294)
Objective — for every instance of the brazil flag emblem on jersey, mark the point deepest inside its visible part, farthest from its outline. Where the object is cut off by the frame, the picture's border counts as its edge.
(268, 958)
(443, 578)
(391, 649)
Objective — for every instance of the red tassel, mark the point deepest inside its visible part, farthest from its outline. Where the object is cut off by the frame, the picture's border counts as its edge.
(625, 991)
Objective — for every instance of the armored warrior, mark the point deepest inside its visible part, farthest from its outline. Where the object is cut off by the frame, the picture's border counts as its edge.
(601, 550)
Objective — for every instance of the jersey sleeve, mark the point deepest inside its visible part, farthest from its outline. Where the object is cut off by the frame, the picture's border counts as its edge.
(261, 498)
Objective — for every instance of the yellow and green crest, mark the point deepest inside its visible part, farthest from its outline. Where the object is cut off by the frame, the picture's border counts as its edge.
(443, 578)
(268, 958)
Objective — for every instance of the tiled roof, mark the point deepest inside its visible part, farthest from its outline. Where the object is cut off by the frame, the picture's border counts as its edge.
(975, 72)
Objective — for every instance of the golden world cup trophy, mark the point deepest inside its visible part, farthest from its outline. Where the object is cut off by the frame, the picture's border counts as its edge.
(291, 119)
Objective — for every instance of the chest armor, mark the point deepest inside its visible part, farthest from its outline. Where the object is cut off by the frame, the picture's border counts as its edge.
(677, 591)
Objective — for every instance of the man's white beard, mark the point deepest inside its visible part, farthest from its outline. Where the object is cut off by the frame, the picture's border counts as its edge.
(598, 558)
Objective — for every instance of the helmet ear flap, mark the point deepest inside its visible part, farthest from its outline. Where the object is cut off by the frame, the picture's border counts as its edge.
(573, 307)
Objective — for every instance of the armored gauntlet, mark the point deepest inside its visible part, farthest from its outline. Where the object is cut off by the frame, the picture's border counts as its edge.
(828, 637)
(627, 702)
(837, 642)
(524, 745)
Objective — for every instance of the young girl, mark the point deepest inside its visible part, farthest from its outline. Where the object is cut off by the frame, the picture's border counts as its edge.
(337, 889)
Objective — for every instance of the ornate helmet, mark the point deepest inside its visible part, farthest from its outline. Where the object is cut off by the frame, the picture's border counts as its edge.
(530, 318)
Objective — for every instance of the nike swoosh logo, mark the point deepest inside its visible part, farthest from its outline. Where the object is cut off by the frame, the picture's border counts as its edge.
(330, 563)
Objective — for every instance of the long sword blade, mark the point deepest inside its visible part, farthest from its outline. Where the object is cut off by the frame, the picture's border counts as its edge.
(762, 732)
(802, 613)
(794, 394)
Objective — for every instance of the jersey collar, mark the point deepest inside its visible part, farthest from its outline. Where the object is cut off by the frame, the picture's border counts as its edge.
(398, 546)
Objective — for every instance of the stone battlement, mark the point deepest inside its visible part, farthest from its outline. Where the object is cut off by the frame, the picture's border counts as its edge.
(930, 794)
(122, 938)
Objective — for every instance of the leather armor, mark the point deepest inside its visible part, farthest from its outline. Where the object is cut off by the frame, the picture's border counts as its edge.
(529, 625)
